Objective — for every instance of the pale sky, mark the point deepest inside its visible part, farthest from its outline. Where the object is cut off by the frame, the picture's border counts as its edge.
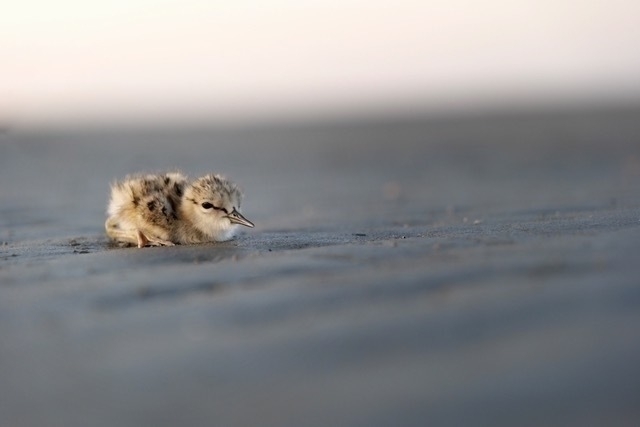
(82, 60)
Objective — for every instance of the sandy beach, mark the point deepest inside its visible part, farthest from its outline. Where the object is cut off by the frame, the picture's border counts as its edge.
(457, 270)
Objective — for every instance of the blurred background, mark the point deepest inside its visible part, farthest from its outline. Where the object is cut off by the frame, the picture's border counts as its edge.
(137, 61)
(501, 137)
(392, 110)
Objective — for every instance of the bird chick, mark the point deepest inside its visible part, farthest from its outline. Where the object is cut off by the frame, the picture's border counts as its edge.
(143, 208)
(163, 210)
(210, 211)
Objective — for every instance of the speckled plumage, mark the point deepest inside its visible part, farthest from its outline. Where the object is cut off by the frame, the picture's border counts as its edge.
(165, 209)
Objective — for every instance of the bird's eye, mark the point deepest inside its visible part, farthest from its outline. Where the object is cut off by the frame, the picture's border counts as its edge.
(207, 205)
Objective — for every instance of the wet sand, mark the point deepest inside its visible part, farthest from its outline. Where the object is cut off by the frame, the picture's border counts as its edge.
(426, 271)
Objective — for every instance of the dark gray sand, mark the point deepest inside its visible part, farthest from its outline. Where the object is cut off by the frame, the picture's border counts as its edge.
(472, 271)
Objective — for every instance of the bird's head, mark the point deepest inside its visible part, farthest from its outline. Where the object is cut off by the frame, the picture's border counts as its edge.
(213, 205)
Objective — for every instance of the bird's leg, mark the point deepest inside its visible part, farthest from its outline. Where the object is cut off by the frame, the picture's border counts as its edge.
(144, 240)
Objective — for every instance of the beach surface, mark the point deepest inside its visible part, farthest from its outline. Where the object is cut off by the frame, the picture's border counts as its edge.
(472, 270)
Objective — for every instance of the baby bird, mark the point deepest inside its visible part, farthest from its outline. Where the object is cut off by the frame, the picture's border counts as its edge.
(164, 209)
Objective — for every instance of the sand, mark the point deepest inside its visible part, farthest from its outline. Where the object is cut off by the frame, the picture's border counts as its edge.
(478, 270)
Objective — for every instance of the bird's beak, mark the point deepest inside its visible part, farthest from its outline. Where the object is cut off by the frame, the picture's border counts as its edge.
(236, 218)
